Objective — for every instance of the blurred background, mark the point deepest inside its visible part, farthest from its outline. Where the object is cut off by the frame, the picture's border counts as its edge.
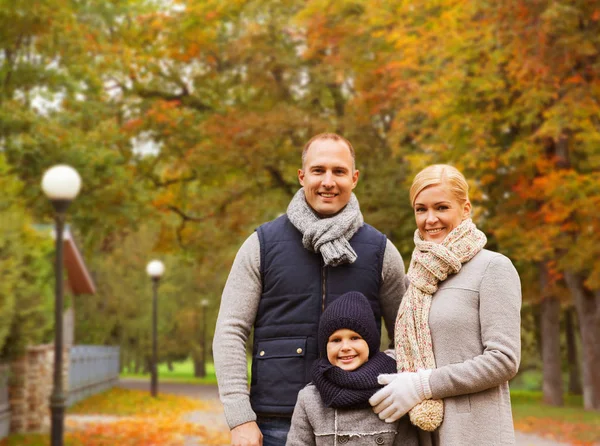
(186, 121)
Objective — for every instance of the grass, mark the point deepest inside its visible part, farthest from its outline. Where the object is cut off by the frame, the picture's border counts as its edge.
(570, 423)
(31, 440)
(183, 372)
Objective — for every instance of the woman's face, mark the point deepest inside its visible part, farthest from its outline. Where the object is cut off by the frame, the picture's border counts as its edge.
(438, 212)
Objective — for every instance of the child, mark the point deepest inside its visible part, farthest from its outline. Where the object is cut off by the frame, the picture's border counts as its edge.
(334, 408)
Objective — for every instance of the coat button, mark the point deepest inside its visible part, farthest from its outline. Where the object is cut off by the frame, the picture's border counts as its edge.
(262, 353)
(379, 440)
(343, 439)
(299, 351)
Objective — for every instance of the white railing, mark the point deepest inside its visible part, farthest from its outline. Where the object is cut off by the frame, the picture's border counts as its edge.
(93, 369)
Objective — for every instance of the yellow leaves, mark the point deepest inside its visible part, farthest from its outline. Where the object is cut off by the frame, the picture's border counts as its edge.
(166, 239)
(134, 418)
(486, 179)
(126, 402)
(163, 199)
(165, 429)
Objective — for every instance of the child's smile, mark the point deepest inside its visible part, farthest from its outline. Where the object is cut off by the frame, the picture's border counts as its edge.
(347, 349)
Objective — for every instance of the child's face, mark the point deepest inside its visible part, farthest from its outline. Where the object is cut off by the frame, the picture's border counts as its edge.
(347, 349)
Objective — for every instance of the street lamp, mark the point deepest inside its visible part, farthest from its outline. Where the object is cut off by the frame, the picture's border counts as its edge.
(155, 270)
(61, 185)
(204, 304)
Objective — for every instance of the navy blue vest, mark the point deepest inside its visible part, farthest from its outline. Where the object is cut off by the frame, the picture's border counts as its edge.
(297, 287)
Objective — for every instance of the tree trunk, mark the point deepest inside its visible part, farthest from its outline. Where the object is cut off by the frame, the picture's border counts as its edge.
(537, 317)
(572, 356)
(552, 383)
(587, 304)
(199, 369)
(199, 366)
(550, 328)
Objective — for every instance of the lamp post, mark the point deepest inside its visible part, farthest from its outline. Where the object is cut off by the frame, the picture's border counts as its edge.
(155, 270)
(61, 185)
(203, 304)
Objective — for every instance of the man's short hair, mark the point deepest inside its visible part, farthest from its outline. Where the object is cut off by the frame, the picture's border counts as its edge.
(333, 137)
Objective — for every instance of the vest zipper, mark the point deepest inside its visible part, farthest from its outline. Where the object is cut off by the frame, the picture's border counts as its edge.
(323, 287)
(323, 291)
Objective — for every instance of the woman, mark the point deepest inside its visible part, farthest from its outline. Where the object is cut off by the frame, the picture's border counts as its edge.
(458, 327)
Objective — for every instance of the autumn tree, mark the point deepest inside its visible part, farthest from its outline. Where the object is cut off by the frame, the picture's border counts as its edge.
(507, 92)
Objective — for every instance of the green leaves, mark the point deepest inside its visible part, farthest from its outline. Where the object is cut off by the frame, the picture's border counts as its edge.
(25, 273)
(225, 94)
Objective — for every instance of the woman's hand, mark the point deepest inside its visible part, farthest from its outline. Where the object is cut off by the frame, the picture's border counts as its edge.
(402, 392)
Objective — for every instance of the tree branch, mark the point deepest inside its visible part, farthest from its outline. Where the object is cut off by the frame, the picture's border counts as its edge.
(219, 211)
(187, 217)
(158, 183)
(289, 188)
(185, 97)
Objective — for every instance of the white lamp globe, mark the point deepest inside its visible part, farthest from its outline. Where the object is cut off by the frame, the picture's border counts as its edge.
(155, 269)
(61, 182)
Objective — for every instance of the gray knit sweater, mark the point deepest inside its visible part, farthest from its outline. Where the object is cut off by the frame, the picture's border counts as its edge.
(239, 304)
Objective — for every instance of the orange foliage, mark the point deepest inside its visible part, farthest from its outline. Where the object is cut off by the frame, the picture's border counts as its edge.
(147, 421)
(558, 431)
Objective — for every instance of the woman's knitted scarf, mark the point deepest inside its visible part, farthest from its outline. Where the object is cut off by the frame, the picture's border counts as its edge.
(330, 235)
(341, 389)
(431, 263)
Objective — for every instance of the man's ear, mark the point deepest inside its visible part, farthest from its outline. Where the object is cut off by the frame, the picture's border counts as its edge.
(355, 176)
(301, 177)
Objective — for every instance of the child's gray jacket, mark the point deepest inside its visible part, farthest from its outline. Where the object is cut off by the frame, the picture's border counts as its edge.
(317, 425)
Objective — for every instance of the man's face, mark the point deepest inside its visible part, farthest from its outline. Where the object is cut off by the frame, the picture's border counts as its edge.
(328, 176)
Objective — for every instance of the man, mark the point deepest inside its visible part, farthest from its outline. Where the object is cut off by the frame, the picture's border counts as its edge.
(283, 277)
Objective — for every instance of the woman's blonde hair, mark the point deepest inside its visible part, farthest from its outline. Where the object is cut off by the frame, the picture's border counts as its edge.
(441, 174)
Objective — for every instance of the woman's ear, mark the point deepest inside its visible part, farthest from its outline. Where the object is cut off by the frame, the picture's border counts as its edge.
(467, 210)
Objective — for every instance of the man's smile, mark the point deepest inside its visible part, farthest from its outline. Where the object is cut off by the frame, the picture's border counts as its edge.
(327, 194)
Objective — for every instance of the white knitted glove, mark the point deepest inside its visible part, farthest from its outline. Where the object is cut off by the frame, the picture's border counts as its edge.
(402, 392)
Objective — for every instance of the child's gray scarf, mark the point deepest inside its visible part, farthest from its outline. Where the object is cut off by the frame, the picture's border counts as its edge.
(330, 235)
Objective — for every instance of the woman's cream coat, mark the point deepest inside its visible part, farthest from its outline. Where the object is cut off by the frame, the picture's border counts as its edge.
(475, 328)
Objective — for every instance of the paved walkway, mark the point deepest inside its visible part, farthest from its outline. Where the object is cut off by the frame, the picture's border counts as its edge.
(524, 439)
(215, 420)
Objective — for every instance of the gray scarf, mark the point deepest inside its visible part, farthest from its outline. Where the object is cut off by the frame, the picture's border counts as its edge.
(329, 236)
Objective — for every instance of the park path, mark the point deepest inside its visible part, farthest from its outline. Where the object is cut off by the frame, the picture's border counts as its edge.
(214, 419)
